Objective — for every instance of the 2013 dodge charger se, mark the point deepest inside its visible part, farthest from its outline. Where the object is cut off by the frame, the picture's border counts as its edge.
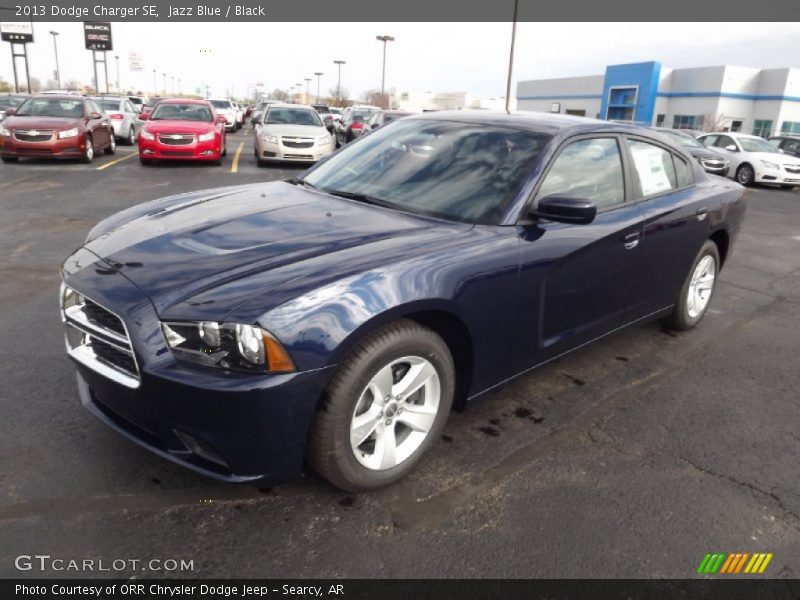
(339, 316)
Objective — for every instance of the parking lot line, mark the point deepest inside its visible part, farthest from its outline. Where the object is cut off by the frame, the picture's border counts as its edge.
(113, 162)
(235, 163)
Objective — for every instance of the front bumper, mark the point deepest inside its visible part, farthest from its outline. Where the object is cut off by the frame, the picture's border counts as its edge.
(55, 148)
(781, 175)
(235, 427)
(155, 150)
(279, 152)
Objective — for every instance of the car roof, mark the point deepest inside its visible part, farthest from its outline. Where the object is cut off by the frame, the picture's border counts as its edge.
(785, 136)
(287, 105)
(541, 122)
(59, 96)
(183, 101)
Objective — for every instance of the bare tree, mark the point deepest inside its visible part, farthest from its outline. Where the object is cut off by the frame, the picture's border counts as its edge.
(279, 94)
(375, 98)
(36, 84)
(6, 86)
(339, 95)
(72, 85)
(713, 123)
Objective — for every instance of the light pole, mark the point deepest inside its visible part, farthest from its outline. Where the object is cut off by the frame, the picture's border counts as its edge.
(116, 56)
(55, 49)
(165, 83)
(339, 80)
(180, 93)
(511, 54)
(291, 94)
(155, 85)
(298, 87)
(384, 39)
(172, 77)
(318, 74)
(308, 81)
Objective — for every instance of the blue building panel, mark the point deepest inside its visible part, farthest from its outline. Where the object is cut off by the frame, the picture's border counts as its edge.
(630, 91)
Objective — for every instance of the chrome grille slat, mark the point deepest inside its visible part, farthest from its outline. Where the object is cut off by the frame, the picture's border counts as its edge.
(25, 135)
(98, 339)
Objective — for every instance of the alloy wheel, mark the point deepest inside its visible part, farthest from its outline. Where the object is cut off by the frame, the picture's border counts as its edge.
(395, 413)
(701, 286)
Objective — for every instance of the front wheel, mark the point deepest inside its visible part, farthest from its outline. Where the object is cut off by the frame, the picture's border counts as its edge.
(88, 151)
(385, 406)
(9, 159)
(745, 174)
(697, 290)
(111, 148)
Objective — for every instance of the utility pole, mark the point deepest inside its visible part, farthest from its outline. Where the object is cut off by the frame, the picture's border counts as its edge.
(116, 57)
(384, 39)
(339, 80)
(155, 85)
(308, 81)
(318, 74)
(511, 54)
(55, 49)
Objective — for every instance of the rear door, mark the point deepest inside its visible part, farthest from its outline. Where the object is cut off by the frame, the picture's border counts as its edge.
(575, 280)
(98, 124)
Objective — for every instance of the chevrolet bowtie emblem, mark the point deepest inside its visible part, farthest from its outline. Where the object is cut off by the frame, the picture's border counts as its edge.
(33, 132)
(175, 136)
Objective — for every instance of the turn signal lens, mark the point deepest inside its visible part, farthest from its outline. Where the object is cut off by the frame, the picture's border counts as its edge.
(278, 360)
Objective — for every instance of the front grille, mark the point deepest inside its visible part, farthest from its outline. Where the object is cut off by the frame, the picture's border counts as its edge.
(792, 169)
(98, 339)
(299, 156)
(712, 164)
(269, 154)
(296, 143)
(176, 139)
(33, 135)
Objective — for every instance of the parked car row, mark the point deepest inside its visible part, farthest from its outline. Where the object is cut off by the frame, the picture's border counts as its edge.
(753, 159)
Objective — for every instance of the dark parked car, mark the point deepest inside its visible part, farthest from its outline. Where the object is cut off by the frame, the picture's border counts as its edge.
(352, 123)
(339, 316)
(790, 144)
(711, 160)
(55, 126)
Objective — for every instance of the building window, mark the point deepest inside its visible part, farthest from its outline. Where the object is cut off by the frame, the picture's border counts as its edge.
(621, 103)
(660, 120)
(687, 122)
(762, 128)
(790, 127)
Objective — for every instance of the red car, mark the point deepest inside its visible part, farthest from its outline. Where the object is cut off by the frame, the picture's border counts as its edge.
(54, 126)
(182, 130)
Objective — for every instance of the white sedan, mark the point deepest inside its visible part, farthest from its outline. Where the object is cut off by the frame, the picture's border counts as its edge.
(754, 159)
(291, 133)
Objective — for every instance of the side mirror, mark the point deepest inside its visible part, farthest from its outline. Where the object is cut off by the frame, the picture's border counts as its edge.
(731, 148)
(95, 115)
(221, 119)
(565, 209)
(375, 125)
(143, 116)
(10, 111)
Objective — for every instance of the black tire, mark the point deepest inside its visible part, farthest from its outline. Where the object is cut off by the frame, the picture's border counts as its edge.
(131, 140)
(787, 186)
(225, 149)
(111, 147)
(9, 159)
(145, 162)
(329, 448)
(88, 151)
(681, 319)
(745, 174)
(261, 162)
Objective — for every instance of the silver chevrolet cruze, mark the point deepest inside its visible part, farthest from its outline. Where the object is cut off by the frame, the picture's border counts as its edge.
(122, 115)
(291, 133)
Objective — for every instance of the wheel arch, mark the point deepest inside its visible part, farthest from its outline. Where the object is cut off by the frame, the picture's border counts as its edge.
(722, 240)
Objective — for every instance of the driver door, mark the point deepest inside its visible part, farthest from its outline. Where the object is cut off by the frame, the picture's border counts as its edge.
(98, 125)
(576, 280)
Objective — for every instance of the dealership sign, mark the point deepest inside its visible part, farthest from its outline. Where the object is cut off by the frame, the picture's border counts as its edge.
(97, 36)
(16, 33)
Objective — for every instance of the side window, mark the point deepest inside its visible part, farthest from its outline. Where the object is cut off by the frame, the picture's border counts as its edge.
(589, 169)
(709, 140)
(653, 167)
(724, 141)
(129, 107)
(682, 172)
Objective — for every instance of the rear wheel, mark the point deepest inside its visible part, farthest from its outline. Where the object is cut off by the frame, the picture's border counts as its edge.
(385, 406)
(697, 290)
(131, 136)
(745, 174)
(112, 144)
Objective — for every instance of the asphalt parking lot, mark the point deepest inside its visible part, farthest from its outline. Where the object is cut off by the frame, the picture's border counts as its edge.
(630, 458)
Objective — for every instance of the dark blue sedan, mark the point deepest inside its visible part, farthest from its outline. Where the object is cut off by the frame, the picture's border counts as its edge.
(340, 316)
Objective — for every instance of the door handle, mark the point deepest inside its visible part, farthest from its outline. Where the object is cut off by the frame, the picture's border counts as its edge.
(701, 213)
(631, 240)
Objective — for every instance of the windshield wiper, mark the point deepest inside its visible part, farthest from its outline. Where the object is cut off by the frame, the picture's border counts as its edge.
(299, 181)
(359, 197)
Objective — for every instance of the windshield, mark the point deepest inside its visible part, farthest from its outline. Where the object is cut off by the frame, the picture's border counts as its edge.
(107, 103)
(135, 100)
(458, 171)
(361, 116)
(756, 145)
(685, 140)
(153, 101)
(51, 107)
(220, 103)
(181, 112)
(10, 102)
(293, 116)
(322, 109)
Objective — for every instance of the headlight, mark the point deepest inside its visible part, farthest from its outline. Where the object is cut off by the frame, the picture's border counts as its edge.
(4, 132)
(270, 139)
(323, 140)
(146, 135)
(205, 137)
(234, 346)
(769, 165)
(69, 133)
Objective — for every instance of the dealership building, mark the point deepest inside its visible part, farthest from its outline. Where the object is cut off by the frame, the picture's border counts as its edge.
(728, 98)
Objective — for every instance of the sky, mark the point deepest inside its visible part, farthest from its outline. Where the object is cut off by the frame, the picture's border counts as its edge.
(441, 57)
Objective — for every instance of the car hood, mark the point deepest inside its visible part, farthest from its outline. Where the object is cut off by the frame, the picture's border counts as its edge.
(705, 153)
(287, 130)
(202, 255)
(15, 122)
(775, 157)
(178, 126)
